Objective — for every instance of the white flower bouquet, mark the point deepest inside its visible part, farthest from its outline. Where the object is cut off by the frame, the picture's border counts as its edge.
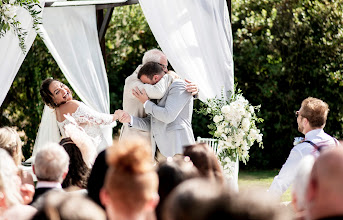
(234, 126)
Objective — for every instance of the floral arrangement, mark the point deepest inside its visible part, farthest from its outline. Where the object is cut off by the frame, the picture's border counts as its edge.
(9, 21)
(298, 140)
(234, 126)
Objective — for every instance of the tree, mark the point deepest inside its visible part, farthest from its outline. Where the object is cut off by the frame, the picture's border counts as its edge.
(285, 51)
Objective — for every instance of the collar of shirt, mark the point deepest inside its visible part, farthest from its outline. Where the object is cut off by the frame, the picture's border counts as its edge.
(46, 184)
(312, 134)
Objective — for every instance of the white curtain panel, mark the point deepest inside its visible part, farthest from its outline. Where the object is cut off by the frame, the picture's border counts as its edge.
(196, 37)
(70, 33)
(11, 56)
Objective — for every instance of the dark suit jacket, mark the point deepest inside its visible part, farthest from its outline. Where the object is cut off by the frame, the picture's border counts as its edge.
(38, 197)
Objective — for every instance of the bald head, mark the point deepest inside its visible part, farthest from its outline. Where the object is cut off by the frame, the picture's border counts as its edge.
(328, 169)
(325, 191)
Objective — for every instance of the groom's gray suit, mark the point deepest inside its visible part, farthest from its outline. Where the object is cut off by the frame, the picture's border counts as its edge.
(170, 121)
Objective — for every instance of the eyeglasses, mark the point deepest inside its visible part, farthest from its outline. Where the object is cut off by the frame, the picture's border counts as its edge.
(163, 66)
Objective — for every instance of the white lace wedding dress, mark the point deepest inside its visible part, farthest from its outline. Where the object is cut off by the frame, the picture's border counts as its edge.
(91, 122)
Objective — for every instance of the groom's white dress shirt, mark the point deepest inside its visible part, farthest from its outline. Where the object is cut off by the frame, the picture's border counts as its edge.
(288, 171)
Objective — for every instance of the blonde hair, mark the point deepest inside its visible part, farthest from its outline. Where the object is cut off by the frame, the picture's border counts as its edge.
(8, 175)
(131, 180)
(10, 141)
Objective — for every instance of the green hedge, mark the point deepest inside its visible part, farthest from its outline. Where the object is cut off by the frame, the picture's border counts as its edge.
(285, 51)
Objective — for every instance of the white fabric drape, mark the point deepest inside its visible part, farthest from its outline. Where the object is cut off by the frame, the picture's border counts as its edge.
(70, 33)
(11, 56)
(196, 37)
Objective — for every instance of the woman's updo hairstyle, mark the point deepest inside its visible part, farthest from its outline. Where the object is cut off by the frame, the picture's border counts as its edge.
(46, 94)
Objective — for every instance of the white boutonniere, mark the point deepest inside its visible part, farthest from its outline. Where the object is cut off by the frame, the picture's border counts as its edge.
(298, 140)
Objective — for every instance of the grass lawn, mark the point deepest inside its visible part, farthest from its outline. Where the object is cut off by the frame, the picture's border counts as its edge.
(260, 179)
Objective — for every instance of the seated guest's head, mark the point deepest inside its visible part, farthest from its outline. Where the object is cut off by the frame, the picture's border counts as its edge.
(202, 199)
(10, 141)
(300, 184)
(131, 183)
(69, 206)
(9, 182)
(247, 204)
(97, 177)
(324, 197)
(51, 163)
(190, 198)
(205, 160)
(78, 171)
(171, 173)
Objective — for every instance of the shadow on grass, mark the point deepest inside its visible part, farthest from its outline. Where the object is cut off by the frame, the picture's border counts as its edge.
(260, 179)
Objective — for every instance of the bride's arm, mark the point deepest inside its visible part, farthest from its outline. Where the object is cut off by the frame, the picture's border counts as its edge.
(85, 114)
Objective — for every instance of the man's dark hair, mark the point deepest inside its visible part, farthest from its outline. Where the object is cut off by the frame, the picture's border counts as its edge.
(150, 69)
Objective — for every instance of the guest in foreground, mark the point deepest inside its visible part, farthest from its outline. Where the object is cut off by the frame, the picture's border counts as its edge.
(11, 201)
(61, 205)
(311, 119)
(131, 184)
(324, 196)
(205, 160)
(78, 172)
(97, 178)
(300, 186)
(202, 199)
(10, 141)
(171, 173)
(51, 167)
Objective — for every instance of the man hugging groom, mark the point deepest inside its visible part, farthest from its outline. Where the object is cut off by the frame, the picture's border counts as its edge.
(169, 121)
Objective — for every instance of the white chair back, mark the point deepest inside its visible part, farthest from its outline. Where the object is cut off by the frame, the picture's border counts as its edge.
(211, 142)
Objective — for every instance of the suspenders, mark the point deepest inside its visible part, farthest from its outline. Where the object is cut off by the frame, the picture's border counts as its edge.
(319, 148)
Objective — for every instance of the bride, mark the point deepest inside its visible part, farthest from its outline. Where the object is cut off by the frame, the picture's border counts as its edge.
(58, 97)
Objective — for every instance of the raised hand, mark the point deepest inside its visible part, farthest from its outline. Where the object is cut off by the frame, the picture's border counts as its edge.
(140, 95)
(192, 87)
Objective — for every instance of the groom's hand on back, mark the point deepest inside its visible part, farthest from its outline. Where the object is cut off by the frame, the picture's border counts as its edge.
(140, 95)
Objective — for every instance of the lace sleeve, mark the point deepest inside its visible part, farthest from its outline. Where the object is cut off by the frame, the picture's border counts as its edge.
(84, 114)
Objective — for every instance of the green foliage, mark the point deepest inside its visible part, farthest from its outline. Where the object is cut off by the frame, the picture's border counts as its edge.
(285, 51)
(9, 20)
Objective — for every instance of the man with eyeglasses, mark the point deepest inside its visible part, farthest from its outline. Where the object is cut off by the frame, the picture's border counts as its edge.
(311, 119)
(133, 106)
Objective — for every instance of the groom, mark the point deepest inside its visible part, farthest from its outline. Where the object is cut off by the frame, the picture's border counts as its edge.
(169, 121)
